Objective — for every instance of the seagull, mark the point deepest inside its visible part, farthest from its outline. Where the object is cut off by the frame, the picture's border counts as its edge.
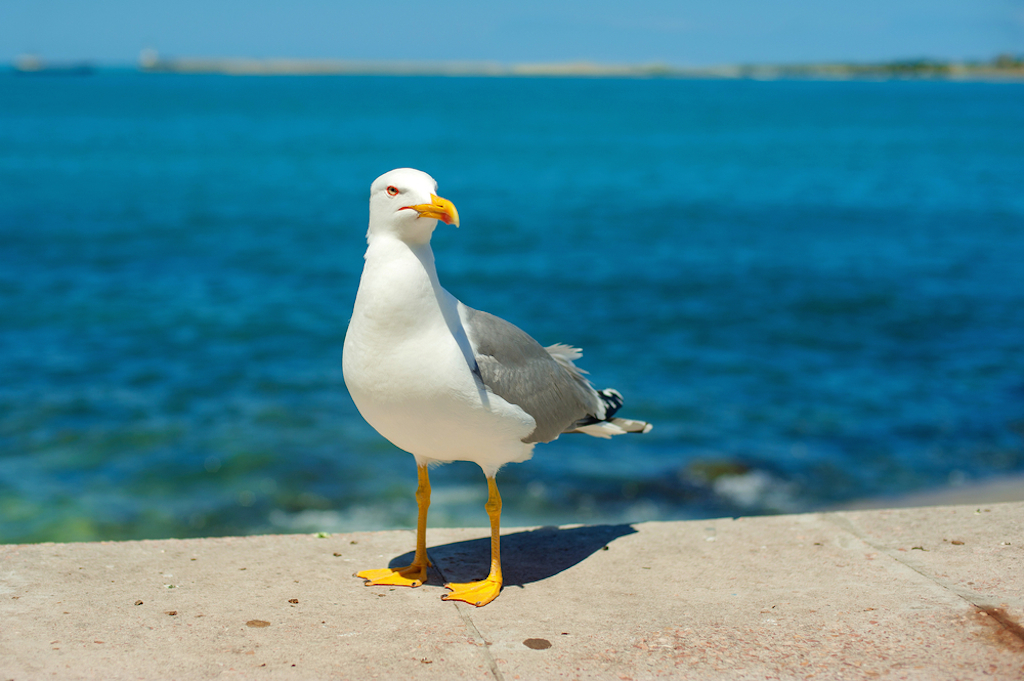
(445, 382)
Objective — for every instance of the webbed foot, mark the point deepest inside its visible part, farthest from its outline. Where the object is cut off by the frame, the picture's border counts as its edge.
(412, 575)
(475, 593)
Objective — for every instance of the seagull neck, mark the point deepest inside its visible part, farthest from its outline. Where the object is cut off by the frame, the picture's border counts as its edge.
(399, 290)
(425, 255)
(387, 249)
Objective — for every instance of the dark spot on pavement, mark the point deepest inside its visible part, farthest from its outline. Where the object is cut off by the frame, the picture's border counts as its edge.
(257, 623)
(537, 643)
(1002, 629)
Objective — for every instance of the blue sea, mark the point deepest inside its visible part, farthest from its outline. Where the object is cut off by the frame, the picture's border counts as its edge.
(813, 290)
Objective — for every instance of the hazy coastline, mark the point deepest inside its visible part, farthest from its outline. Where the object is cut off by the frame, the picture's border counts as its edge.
(1001, 68)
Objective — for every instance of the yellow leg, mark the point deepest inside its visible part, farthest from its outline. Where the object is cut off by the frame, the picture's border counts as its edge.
(415, 574)
(483, 592)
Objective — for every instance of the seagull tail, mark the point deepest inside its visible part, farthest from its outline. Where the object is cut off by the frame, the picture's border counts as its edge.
(609, 425)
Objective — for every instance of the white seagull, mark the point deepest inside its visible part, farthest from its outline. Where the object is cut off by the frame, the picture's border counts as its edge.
(445, 382)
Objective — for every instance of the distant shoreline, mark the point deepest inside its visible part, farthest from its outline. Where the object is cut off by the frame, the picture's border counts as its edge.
(989, 491)
(1002, 68)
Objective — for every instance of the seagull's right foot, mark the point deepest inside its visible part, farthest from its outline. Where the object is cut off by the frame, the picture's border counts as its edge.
(411, 575)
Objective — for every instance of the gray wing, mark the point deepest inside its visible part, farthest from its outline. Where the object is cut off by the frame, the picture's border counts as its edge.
(518, 369)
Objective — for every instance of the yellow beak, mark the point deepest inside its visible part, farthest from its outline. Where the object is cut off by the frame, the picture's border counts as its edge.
(439, 209)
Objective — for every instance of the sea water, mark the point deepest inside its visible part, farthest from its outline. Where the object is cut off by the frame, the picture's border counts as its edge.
(813, 290)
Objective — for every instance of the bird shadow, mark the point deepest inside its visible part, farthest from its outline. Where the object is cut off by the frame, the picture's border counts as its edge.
(527, 556)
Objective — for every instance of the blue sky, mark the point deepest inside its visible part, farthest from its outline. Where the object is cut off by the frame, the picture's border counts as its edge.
(679, 33)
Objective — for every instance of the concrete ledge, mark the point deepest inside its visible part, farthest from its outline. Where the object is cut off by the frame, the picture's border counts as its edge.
(922, 593)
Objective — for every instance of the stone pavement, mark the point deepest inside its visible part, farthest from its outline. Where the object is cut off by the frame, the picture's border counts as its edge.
(921, 593)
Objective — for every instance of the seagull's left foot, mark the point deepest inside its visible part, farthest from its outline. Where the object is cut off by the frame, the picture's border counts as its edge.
(412, 575)
(475, 593)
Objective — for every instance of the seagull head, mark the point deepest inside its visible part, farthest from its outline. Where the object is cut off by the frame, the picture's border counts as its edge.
(405, 203)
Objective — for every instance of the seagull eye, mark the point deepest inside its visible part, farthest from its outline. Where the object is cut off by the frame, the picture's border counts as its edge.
(392, 190)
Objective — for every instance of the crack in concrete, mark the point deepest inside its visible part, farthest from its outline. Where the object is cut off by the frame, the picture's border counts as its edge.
(479, 640)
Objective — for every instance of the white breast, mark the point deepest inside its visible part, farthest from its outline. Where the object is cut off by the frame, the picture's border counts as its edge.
(409, 368)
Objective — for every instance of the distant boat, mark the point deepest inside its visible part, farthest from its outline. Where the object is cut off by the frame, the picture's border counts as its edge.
(32, 65)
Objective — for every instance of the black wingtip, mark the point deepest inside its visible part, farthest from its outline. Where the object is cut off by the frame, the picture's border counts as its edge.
(612, 402)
